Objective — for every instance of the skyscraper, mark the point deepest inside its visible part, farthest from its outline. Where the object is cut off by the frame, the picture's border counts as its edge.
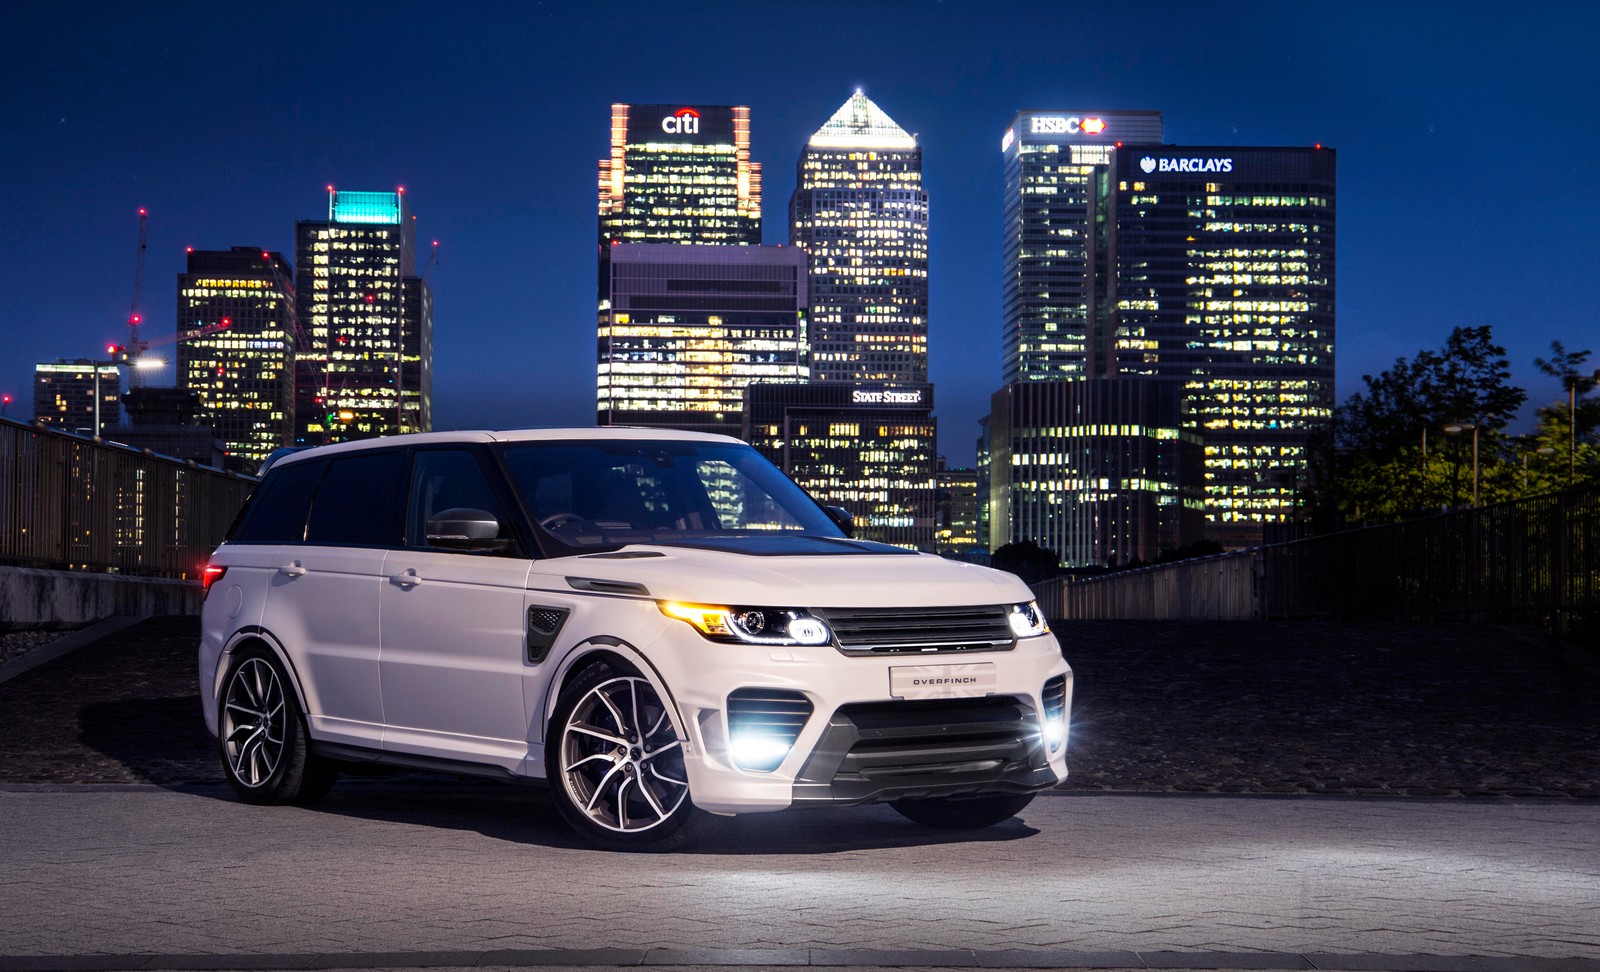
(366, 367)
(683, 330)
(64, 393)
(1224, 281)
(1055, 235)
(860, 213)
(242, 370)
(680, 174)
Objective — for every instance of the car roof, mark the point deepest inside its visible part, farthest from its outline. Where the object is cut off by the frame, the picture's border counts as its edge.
(507, 435)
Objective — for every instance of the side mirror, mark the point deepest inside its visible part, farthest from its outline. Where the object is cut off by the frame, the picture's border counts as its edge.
(465, 529)
(842, 518)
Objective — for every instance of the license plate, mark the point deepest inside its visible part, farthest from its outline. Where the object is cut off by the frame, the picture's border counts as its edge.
(942, 681)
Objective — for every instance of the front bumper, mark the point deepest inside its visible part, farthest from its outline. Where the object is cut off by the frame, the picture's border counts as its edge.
(860, 744)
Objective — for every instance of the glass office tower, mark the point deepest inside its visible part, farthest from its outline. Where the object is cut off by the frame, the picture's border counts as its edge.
(680, 174)
(1224, 281)
(366, 366)
(1054, 238)
(860, 213)
(241, 364)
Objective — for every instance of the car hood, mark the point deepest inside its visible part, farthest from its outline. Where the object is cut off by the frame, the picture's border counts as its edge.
(835, 574)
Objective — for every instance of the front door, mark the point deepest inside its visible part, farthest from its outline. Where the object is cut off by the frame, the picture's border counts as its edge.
(454, 628)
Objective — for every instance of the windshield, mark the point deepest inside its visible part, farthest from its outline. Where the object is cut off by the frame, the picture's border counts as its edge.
(616, 492)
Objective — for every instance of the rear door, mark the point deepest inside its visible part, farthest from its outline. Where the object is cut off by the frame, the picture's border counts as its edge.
(322, 604)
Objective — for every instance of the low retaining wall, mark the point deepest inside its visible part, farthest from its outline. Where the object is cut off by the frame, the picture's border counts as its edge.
(31, 598)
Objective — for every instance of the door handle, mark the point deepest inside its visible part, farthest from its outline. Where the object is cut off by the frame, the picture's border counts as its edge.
(292, 570)
(406, 578)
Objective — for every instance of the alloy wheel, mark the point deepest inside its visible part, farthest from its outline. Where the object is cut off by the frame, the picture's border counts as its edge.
(621, 759)
(254, 722)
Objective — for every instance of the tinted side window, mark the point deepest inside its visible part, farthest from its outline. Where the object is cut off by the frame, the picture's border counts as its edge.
(359, 501)
(448, 479)
(279, 512)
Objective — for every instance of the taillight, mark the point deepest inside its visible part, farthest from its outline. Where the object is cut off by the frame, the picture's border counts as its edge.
(210, 576)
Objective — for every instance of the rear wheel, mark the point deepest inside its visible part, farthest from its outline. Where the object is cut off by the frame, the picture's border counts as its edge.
(616, 765)
(265, 749)
(963, 813)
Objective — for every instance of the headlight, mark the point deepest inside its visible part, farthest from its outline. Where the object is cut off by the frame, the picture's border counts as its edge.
(750, 625)
(1027, 621)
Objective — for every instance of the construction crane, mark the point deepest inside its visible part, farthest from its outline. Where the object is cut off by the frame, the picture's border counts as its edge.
(433, 261)
(135, 346)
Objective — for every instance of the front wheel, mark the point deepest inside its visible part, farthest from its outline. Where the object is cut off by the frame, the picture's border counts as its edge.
(266, 751)
(616, 765)
(963, 813)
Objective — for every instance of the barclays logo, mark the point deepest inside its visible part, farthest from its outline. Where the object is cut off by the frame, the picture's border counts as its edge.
(1147, 164)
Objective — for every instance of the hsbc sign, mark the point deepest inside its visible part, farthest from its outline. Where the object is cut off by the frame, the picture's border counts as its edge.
(1065, 125)
(684, 121)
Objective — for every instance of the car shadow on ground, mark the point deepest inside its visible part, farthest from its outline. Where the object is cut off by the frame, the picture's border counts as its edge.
(163, 741)
(525, 815)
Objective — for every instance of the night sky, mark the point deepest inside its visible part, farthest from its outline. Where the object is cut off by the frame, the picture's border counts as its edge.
(1468, 140)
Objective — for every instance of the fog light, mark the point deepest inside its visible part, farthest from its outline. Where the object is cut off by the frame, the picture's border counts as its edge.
(760, 753)
(1055, 733)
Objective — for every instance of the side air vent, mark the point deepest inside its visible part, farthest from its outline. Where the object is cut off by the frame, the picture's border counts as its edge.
(600, 585)
(544, 623)
(763, 725)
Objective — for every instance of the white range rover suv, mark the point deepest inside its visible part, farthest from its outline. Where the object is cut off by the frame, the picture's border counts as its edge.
(660, 625)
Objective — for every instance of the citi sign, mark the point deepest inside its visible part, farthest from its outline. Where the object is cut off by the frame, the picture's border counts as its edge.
(1066, 125)
(684, 121)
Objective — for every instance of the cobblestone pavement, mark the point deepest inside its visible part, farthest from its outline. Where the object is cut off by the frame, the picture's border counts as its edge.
(391, 868)
(1248, 707)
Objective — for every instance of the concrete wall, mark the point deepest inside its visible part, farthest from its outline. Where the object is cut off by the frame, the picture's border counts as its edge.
(32, 598)
(1226, 587)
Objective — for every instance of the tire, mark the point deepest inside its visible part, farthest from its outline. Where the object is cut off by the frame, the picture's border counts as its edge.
(963, 813)
(262, 738)
(615, 765)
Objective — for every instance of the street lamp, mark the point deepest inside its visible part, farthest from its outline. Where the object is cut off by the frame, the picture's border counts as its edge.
(1456, 428)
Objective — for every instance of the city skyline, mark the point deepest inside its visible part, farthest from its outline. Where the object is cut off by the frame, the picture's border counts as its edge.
(499, 176)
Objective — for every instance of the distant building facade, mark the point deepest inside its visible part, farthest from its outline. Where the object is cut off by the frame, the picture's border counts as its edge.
(241, 366)
(680, 174)
(365, 368)
(169, 422)
(1100, 471)
(860, 212)
(683, 329)
(64, 393)
(955, 519)
(862, 446)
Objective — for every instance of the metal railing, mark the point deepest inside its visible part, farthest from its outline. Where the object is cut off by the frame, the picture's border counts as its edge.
(1534, 561)
(73, 502)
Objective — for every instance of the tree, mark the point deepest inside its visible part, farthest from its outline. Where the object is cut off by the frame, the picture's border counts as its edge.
(1388, 456)
(1583, 415)
(1027, 560)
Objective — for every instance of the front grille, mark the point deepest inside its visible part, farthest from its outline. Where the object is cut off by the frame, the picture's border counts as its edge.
(919, 630)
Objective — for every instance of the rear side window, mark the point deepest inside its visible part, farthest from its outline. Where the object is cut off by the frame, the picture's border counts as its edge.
(279, 513)
(359, 501)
